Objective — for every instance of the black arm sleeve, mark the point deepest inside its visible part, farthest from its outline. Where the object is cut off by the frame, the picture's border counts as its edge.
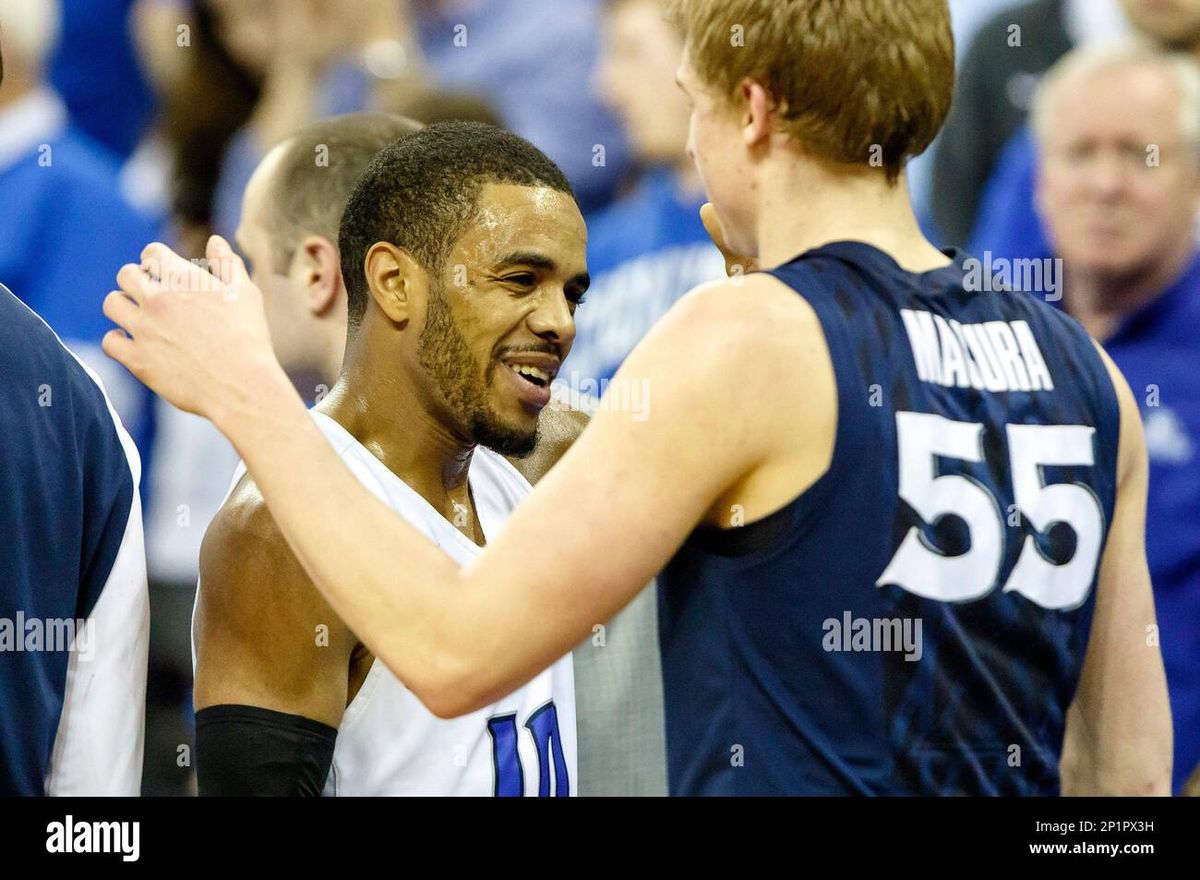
(246, 750)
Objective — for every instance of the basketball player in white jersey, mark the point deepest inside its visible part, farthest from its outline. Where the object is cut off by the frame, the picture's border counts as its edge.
(288, 700)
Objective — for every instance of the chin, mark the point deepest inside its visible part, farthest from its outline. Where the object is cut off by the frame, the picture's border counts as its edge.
(515, 438)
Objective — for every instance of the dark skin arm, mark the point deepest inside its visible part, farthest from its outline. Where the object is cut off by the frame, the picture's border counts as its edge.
(264, 637)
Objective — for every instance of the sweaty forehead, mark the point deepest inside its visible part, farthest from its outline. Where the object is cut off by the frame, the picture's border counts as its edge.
(511, 218)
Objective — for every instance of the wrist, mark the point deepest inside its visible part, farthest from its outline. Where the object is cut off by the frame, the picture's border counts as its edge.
(256, 405)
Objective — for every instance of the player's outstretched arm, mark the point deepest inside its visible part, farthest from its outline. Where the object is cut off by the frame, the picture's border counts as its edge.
(598, 527)
(271, 660)
(1118, 738)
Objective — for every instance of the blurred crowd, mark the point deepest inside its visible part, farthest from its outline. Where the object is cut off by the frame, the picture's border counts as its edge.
(1074, 141)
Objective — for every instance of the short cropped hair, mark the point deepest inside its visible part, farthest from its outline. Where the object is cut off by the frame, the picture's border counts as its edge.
(319, 167)
(421, 194)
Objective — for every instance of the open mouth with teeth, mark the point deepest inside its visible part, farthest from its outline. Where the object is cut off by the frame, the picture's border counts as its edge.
(531, 374)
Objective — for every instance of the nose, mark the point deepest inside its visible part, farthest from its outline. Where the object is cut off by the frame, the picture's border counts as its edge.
(1108, 177)
(551, 319)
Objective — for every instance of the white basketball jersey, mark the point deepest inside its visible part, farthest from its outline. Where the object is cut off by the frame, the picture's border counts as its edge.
(388, 742)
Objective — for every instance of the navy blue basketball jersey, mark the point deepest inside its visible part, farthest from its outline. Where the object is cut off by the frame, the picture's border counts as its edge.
(74, 612)
(916, 621)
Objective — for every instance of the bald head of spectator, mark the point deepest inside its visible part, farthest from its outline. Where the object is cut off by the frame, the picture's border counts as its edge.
(1174, 24)
(289, 231)
(1118, 129)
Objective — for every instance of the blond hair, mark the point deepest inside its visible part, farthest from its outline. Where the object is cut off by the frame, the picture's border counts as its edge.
(857, 81)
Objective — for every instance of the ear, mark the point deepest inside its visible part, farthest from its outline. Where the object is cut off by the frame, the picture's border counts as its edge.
(322, 274)
(396, 281)
(758, 112)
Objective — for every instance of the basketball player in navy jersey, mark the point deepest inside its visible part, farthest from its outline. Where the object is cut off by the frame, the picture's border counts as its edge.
(853, 441)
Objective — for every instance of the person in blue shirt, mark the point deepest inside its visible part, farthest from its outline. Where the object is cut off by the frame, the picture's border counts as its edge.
(649, 248)
(66, 227)
(1007, 224)
(1119, 192)
(531, 59)
(104, 89)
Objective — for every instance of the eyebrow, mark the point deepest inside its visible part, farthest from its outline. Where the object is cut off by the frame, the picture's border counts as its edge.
(540, 261)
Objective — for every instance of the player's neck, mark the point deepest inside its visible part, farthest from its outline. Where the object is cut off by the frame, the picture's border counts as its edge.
(398, 425)
(1100, 301)
(802, 206)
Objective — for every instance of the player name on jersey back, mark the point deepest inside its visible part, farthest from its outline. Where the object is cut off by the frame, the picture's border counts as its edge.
(989, 356)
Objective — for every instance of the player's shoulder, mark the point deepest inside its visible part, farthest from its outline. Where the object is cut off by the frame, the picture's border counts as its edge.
(750, 325)
(753, 304)
(243, 542)
(28, 347)
(32, 357)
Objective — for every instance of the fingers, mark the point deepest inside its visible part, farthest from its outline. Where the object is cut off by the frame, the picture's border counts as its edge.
(119, 347)
(121, 310)
(224, 263)
(712, 225)
(136, 283)
(173, 272)
(736, 264)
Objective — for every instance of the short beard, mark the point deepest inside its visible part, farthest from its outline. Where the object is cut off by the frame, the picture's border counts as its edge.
(443, 352)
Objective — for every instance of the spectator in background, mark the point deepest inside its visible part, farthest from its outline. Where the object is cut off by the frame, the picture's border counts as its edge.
(66, 227)
(95, 71)
(314, 58)
(966, 18)
(997, 76)
(533, 60)
(648, 248)
(1008, 225)
(1123, 224)
(209, 94)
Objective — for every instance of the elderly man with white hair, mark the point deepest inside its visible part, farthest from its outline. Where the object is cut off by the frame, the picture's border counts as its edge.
(1118, 189)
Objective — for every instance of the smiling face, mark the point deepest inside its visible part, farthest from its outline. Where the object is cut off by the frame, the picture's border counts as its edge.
(499, 320)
